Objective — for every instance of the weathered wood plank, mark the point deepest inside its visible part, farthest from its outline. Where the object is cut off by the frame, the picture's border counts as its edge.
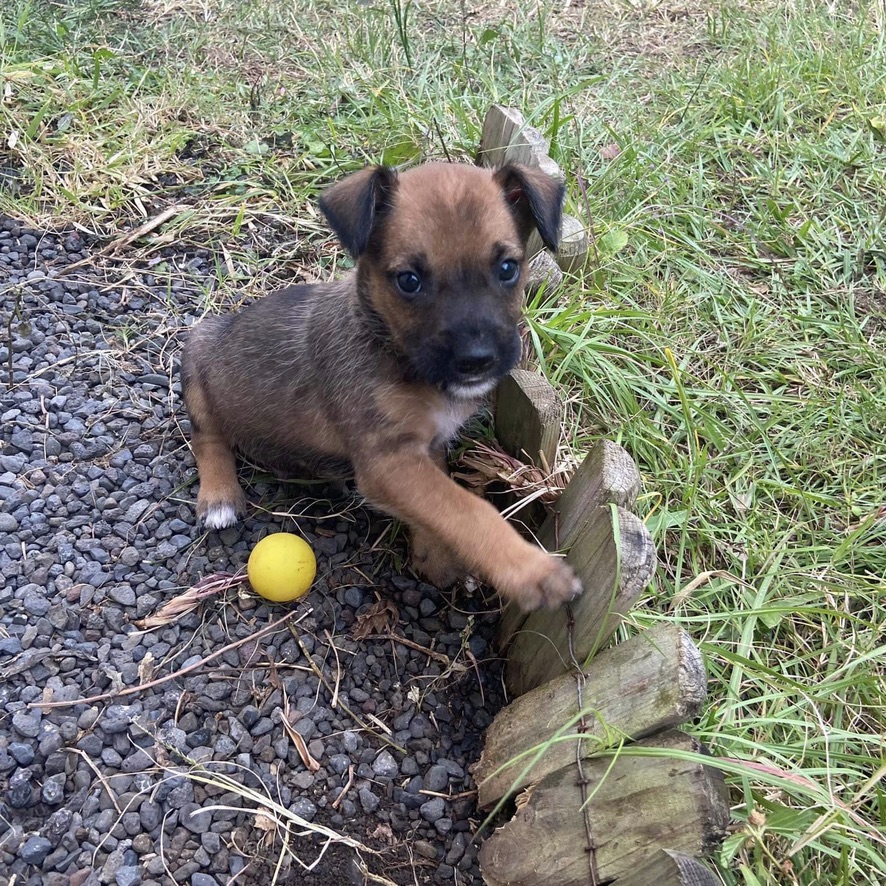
(543, 271)
(669, 868)
(572, 253)
(528, 415)
(614, 557)
(499, 128)
(507, 138)
(607, 475)
(652, 682)
(638, 804)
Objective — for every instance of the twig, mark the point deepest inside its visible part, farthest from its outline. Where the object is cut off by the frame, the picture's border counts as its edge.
(337, 801)
(442, 140)
(145, 228)
(462, 795)
(355, 717)
(98, 774)
(105, 696)
(411, 644)
(337, 668)
(115, 245)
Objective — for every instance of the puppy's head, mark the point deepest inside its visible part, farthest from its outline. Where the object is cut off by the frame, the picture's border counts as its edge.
(441, 253)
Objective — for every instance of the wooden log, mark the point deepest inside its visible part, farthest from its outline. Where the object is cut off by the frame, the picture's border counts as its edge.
(607, 475)
(572, 253)
(669, 868)
(507, 138)
(543, 271)
(528, 414)
(499, 128)
(637, 805)
(652, 682)
(614, 557)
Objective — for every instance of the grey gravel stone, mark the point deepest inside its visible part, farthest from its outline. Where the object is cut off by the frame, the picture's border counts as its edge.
(21, 752)
(128, 876)
(436, 779)
(34, 850)
(34, 600)
(10, 645)
(122, 594)
(151, 814)
(304, 808)
(53, 791)
(433, 810)
(385, 765)
(8, 523)
(194, 818)
(19, 792)
(339, 763)
(368, 801)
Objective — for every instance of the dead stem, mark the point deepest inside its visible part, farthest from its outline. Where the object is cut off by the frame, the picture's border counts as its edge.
(331, 689)
(106, 696)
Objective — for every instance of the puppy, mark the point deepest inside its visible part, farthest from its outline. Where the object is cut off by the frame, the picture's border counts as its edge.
(374, 374)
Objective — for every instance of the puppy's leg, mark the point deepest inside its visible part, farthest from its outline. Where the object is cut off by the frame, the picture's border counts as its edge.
(220, 501)
(410, 486)
(435, 560)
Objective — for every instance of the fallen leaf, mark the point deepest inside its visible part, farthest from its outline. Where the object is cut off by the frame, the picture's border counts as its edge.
(146, 668)
(265, 823)
(300, 745)
(310, 763)
(384, 832)
(274, 677)
(378, 619)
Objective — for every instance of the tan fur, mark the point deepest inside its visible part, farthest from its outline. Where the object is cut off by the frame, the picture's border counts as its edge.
(360, 376)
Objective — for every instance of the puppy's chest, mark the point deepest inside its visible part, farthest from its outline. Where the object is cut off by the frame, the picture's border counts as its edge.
(421, 414)
(447, 417)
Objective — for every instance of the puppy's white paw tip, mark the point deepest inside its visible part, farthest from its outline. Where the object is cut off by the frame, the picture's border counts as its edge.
(220, 516)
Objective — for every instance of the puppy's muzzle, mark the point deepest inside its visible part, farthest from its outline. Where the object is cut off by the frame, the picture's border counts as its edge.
(477, 361)
(473, 360)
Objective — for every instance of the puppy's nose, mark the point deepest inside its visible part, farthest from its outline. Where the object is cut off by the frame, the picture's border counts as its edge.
(477, 360)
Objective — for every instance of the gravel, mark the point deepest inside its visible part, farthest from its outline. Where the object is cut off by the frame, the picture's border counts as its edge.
(97, 531)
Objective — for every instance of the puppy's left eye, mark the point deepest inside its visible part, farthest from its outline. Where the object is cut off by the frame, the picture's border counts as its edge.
(409, 283)
(508, 271)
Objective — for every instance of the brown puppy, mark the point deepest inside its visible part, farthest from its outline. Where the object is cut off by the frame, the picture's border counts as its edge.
(375, 373)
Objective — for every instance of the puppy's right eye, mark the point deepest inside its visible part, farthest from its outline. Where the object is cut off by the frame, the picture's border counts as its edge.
(409, 283)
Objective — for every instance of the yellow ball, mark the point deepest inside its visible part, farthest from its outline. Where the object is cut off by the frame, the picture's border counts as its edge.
(281, 567)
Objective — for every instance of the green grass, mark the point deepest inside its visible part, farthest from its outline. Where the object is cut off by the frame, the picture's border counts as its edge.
(730, 332)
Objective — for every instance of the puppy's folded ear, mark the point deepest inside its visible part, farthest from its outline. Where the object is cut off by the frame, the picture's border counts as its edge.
(536, 199)
(353, 205)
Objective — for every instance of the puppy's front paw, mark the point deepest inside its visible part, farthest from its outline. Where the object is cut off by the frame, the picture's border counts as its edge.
(543, 581)
(221, 513)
